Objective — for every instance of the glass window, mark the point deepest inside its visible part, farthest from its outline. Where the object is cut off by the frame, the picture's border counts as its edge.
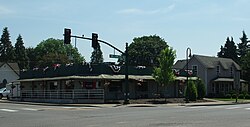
(195, 69)
(218, 70)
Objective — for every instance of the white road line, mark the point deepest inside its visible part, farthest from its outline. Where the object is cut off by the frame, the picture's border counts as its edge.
(235, 107)
(30, 109)
(197, 107)
(213, 107)
(9, 110)
(247, 108)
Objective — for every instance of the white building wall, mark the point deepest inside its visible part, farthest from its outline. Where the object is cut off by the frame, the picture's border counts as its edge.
(7, 73)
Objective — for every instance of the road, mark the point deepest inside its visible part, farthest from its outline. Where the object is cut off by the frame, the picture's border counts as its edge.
(23, 115)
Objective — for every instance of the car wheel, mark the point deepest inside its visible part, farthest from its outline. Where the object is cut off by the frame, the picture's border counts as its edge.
(1, 96)
(8, 97)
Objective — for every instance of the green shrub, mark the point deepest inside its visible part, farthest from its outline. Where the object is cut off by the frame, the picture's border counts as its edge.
(228, 96)
(241, 96)
(234, 95)
(247, 96)
(192, 91)
(201, 90)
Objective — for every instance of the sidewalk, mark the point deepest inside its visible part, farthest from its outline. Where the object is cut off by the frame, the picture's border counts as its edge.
(210, 103)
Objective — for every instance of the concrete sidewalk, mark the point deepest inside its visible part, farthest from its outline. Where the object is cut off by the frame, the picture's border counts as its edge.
(210, 103)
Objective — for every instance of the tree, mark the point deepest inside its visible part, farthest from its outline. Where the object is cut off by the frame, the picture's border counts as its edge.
(21, 55)
(192, 91)
(145, 50)
(7, 53)
(229, 50)
(56, 49)
(32, 57)
(245, 65)
(201, 90)
(243, 47)
(164, 74)
(96, 56)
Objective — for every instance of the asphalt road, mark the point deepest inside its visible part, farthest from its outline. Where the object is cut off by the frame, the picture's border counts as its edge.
(21, 115)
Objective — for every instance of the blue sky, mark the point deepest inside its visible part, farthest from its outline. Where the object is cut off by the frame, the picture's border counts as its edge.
(202, 25)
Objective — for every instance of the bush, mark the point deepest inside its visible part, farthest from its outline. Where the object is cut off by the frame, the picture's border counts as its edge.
(241, 96)
(247, 96)
(228, 96)
(234, 95)
(201, 90)
(192, 91)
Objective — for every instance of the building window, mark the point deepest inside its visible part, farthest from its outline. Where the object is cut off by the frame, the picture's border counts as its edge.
(218, 70)
(231, 71)
(195, 69)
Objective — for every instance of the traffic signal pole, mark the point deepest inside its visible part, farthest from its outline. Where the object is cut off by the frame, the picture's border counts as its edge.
(126, 92)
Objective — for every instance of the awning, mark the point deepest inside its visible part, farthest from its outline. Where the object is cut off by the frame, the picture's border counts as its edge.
(100, 77)
(227, 80)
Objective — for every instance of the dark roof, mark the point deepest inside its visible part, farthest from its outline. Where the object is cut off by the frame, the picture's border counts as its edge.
(84, 70)
(13, 66)
(180, 64)
(212, 62)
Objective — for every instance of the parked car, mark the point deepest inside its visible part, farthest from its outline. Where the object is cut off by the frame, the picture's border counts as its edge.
(4, 93)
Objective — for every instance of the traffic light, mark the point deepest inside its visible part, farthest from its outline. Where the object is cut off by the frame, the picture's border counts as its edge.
(67, 36)
(95, 43)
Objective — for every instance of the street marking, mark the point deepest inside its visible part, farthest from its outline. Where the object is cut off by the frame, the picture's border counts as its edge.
(122, 122)
(31, 109)
(233, 107)
(9, 110)
(198, 107)
(247, 108)
(213, 107)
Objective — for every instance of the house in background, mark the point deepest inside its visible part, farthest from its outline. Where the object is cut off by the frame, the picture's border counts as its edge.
(9, 72)
(217, 73)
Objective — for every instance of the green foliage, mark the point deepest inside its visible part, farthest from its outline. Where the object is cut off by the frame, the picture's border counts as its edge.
(145, 50)
(228, 96)
(164, 74)
(191, 91)
(201, 90)
(245, 65)
(21, 55)
(53, 51)
(229, 50)
(243, 47)
(7, 53)
(97, 56)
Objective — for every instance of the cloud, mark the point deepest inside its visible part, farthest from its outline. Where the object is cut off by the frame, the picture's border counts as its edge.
(4, 10)
(136, 11)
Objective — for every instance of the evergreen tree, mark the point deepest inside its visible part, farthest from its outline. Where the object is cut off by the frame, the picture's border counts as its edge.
(229, 50)
(96, 56)
(7, 53)
(243, 47)
(201, 89)
(222, 52)
(21, 55)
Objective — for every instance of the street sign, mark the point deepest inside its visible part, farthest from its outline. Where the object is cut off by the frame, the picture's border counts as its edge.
(114, 56)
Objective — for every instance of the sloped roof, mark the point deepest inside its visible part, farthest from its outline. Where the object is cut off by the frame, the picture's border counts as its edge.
(180, 64)
(212, 62)
(13, 66)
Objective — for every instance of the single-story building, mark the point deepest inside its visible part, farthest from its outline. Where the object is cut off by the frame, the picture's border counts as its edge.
(93, 84)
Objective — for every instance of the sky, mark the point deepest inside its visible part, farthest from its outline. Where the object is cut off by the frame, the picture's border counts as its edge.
(202, 25)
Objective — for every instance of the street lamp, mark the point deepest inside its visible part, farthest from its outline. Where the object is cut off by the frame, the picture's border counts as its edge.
(188, 54)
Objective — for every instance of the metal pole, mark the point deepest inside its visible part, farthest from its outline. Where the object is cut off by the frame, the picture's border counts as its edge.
(187, 55)
(126, 94)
